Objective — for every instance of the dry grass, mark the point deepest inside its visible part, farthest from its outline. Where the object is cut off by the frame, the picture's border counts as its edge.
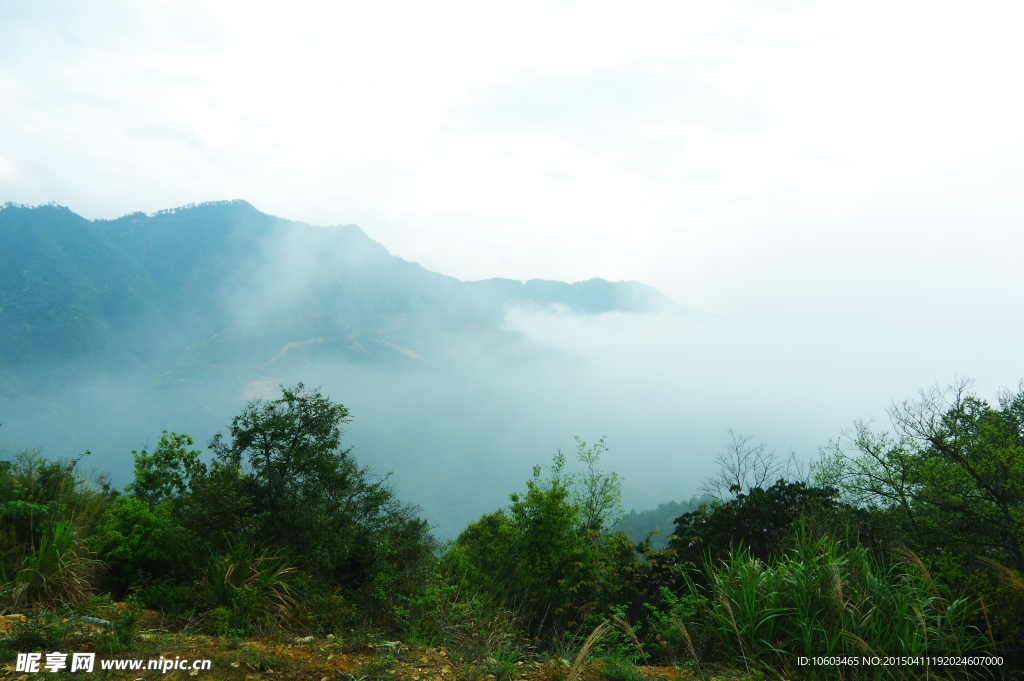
(583, 656)
(1011, 578)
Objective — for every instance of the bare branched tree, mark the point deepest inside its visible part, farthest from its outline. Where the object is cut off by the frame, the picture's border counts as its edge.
(875, 469)
(744, 465)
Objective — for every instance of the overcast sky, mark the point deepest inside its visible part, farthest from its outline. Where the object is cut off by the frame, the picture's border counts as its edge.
(840, 181)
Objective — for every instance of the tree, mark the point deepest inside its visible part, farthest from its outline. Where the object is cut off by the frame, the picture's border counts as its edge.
(597, 494)
(279, 478)
(309, 496)
(761, 520)
(743, 465)
(547, 550)
(953, 472)
(168, 471)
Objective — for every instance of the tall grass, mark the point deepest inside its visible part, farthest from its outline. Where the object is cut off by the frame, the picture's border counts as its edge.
(47, 511)
(827, 600)
(250, 584)
(59, 569)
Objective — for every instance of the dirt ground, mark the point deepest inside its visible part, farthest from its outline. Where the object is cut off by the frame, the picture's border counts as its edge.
(315, 660)
(307, 659)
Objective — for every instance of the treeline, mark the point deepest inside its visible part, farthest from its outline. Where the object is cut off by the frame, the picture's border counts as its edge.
(657, 524)
(903, 544)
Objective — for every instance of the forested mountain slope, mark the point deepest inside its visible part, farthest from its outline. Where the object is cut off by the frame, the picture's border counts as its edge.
(114, 330)
(221, 289)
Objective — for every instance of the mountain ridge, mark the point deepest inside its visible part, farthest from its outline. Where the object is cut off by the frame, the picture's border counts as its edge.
(113, 330)
(148, 292)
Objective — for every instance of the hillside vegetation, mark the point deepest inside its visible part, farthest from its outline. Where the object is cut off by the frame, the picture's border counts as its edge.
(899, 546)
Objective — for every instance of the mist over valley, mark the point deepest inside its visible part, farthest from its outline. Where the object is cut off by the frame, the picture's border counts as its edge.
(372, 340)
(114, 330)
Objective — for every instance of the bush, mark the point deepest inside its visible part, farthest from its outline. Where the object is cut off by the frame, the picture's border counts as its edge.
(763, 521)
(289, 483)
(667, 620)
(141, 545)
(58, 570)
(546, 555)
(453, 609)
(278, 478)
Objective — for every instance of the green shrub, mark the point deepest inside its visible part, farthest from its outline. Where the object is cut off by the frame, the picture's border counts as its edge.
(501, 662)
(620, 667)
(141, 545)
(280, 475)
(451, 609)
(665, 619)
(545, 555)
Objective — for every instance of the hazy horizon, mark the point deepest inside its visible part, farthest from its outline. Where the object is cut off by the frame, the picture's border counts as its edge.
(837, 185)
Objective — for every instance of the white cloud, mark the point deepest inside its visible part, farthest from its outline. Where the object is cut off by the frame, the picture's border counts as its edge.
(818, 160)
(7, 170)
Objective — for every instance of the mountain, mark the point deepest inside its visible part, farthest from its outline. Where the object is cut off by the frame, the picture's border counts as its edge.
(113, 330)
(222, 289)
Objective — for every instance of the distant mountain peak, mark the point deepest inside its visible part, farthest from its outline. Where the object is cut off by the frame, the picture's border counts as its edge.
(222, 287)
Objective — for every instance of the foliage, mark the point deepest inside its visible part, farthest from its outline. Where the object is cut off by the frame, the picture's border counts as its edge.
(251, 585)
(638, 525)
(531, 557)
(595, 493)
(220, 502)
(620, 667)
(36, 492)
(326, 608)
(953, 474)
(283, 530)
(761, 521)
(672, 609)
(548, 554)
(141, 544)
(501, 663)
(823, 599)
(46, 512)
(452, 609)
(282, 459)
(278, 478)
(168, 471)
(59, 569)
(534, 553)
(998, 590)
